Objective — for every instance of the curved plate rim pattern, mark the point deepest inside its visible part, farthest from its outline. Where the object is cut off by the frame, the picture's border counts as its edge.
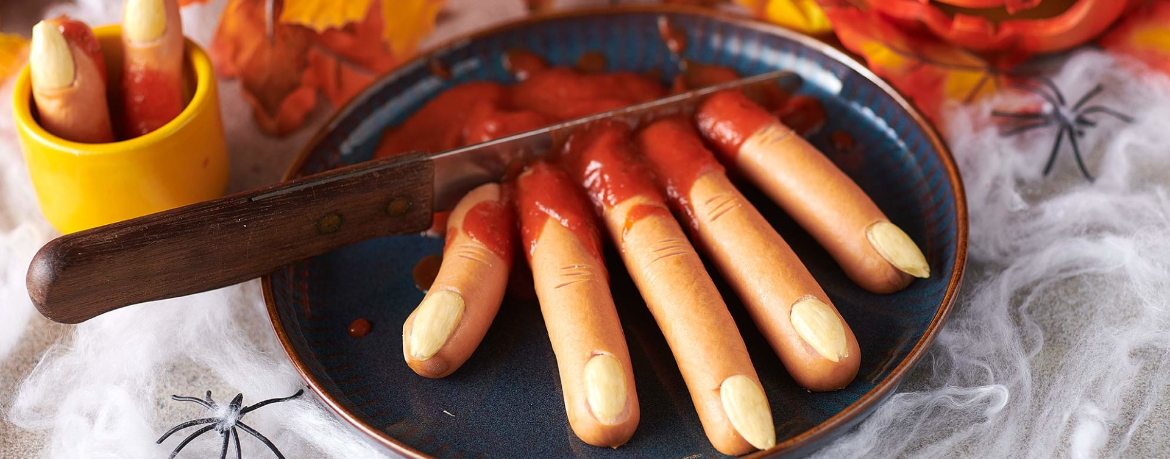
(847, 416)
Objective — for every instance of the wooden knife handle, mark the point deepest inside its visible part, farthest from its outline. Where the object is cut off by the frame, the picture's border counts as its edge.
(216, 243)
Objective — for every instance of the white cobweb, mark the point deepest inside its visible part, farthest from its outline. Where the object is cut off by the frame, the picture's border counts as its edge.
(1057, 345)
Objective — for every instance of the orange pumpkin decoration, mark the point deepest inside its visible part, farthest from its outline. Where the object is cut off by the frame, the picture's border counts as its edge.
(1027, 26)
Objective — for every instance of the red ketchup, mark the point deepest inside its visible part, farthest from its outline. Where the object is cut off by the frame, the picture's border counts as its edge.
(674, 149)
(359, 328)
(145, 84)
(545, 191)
(603, 161)
(523, 64)
(804, 114)
(491, 223)
(438, 125)
(728, 118)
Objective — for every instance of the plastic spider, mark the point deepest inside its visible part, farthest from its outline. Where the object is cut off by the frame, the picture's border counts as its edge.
(1071, 120)
(226, 424)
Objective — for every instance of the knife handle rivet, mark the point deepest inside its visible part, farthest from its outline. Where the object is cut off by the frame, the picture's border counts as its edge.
(330, 223)
(399, 206)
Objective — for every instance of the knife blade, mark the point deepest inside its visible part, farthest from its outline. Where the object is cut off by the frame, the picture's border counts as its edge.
(462, 169)
(217, 243)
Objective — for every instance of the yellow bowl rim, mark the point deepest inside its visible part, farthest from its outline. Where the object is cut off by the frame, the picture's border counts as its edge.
(204, 77)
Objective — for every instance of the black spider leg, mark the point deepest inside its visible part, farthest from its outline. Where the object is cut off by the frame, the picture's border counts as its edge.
(256, 434)
(188, 439)
(249, 409)
(1056, 102)
(1052, 86)
(1072, 139)
(236, 403)
(1019, 116)
(206, 404)
(236, 438)
(1026, 127)
(1055, 150)
(1107, 111)
(226, 439)
(1088, 95)
(184, 426)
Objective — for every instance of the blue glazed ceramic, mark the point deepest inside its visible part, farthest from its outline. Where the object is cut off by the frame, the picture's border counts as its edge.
(506, 401)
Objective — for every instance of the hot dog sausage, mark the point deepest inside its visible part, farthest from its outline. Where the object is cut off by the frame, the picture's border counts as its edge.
(708, 348)
(456, 312)
(69, 81)
(874, 252)
(786, 303)
(561, 238)
(152, 64)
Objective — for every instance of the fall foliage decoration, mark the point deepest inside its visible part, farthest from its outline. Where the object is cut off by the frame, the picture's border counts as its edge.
(801, 15)
(286, 52)
(13, 54)
(926, 70)
(1144, 34)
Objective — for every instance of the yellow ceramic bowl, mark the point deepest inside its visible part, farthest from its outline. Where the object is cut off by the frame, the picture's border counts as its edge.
(82, 185)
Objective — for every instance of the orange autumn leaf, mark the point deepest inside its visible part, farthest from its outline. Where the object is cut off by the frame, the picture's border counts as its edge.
(1143, 34)
(360, 43)
(802, 15)
(925, 70)
(13, 54)
(406, 22)
(346, 61)
(183, 3)
(321, 15)
(271, 70)
(284, 64)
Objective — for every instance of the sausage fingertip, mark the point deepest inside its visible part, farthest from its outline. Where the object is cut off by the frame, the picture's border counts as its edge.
(748, 410)
(818, 325)
(605, 389)
(896, 247)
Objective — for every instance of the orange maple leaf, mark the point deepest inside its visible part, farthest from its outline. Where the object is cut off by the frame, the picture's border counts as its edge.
(924, 69)
(323, 46)
(13, 54)
(802, 15)
(321, 15)
(406, 22)
(271, 70)
(1143, 34)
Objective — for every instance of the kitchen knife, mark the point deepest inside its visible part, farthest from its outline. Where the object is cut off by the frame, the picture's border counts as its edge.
(216, 243)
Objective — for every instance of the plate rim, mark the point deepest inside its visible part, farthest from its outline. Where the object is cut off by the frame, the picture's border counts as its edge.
(852, 413)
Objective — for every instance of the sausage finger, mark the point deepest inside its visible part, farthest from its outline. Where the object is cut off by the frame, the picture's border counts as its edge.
(707, 346)
(152, 64)
(791, 310)
(459, 307)
(558, 230)
(874, 253)
(69, 81)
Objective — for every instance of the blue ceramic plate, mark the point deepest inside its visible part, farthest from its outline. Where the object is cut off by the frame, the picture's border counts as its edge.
(506, 401)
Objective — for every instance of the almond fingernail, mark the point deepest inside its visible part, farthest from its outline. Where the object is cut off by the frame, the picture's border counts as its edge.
(50, 61)
(144, 20)
(747, 408)
(436, 318)
(817, 324)
(605, 388)
(898, 249)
